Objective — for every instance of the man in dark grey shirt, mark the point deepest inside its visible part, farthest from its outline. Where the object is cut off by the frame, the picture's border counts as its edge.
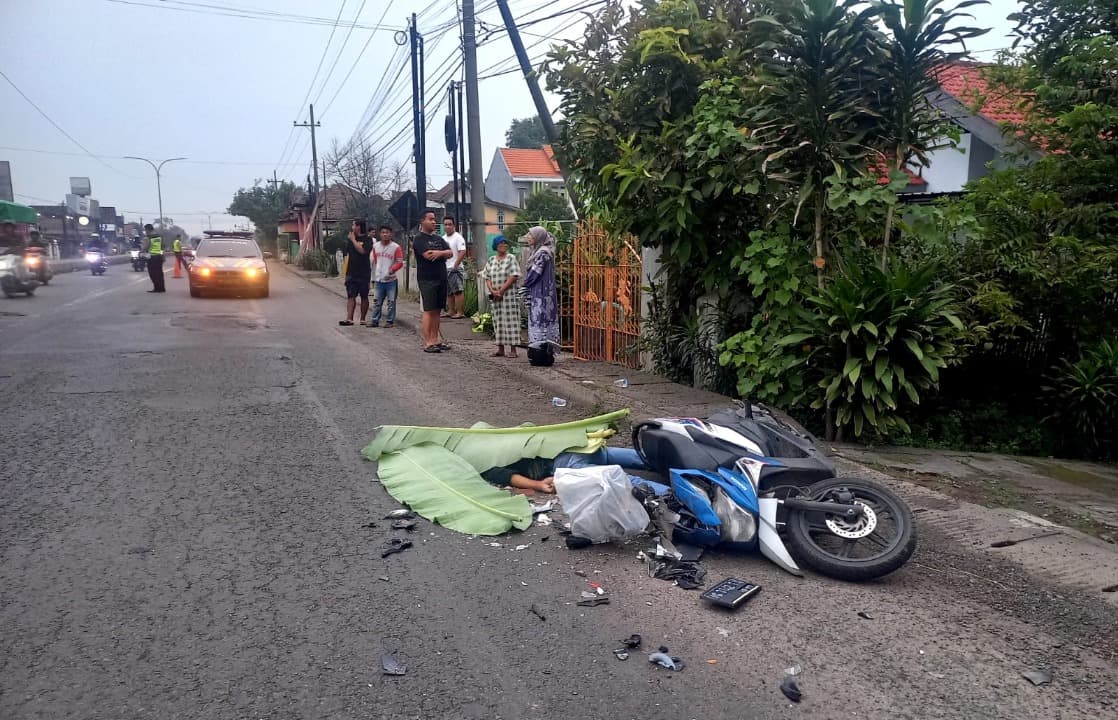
(431, 253)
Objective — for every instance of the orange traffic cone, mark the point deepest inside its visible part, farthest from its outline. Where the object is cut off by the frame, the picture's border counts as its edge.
(178, 270)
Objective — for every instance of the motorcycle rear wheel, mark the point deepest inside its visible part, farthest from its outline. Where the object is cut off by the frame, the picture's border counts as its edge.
(874, 545)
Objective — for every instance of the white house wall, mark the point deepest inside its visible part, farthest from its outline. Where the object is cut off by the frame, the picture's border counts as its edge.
(949, 169)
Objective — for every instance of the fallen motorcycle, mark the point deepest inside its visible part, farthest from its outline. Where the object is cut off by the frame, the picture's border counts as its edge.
(752, 479)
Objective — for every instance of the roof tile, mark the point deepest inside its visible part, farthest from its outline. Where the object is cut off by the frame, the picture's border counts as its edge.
(535, 162)
(966, 82)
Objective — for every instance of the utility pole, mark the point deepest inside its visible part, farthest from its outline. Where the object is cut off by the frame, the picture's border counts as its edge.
(473, 117)
(534, 89)
(419, 149)
(450, 131)
(314, 146)
(462, 160)
(314, 163)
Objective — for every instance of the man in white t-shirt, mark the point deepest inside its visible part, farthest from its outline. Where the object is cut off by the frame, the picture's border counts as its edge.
(455, 273)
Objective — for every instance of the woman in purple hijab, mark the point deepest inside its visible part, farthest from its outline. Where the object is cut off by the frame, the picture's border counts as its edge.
(543, 303)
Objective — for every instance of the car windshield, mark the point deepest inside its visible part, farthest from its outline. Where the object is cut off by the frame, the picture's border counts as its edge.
(229, 249)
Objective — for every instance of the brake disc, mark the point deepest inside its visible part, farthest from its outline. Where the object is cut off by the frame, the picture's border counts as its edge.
(858, 528)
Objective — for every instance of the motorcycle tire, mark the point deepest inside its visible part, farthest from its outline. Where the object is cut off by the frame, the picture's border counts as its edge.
(828, 544)
(30, 291)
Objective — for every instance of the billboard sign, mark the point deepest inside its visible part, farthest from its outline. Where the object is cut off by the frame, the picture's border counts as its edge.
(80, 186)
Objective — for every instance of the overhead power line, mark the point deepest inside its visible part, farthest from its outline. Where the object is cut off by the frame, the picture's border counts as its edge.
(237, 12)
(357, 60)
(57, 127)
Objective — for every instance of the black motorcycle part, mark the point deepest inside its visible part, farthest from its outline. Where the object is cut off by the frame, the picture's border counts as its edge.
(876, 543)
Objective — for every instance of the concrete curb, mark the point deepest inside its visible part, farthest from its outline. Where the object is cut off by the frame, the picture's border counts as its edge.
(331, 286)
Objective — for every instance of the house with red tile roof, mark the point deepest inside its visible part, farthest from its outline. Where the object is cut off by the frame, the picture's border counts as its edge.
(517, 173)
(980, 109)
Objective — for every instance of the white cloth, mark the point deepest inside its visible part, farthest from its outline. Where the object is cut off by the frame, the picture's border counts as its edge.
(457, 243)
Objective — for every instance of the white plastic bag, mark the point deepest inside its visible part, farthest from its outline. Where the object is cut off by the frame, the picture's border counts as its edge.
(599, 502)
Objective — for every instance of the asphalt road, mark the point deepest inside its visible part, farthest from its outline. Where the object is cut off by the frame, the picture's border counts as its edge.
(182, 506)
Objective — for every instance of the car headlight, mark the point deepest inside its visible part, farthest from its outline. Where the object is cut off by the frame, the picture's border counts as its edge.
(204, 272)
(32, 261)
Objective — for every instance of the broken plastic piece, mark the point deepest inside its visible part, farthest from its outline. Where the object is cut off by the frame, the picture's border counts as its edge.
(633, 641)
(1038, 677)
(791, 689)
(712, 662)
(587, 595)
(543, 519)
(865, 615)
(523, 547)
(594, 601)
(621, 654)
(395, 545)
(494, 544)
(580, 573)
(408, 525)
(538, 508)
(401, 514)
(667, 661)
(536, 611)
(369, 525)
(598, 588)
(793, 670)
(392, 666)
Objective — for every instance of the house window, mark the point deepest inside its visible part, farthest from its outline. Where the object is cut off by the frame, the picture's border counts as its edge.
(500, 219)
(523, 193)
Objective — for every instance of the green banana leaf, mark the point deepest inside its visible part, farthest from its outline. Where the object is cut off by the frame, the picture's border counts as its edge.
(484, 447)
(443, 488)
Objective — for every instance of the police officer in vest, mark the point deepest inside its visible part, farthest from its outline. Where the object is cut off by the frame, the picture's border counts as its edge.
(153, 246)
(176, 247)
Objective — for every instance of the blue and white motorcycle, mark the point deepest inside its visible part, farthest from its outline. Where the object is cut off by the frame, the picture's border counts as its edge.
(752, 479)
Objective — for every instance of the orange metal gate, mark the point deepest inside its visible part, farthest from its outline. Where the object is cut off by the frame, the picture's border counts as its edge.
(606, 297)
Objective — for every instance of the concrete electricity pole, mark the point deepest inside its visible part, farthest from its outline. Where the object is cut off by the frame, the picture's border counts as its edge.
(473, 118)
(158, 179)
(419, 119)
(314, 146)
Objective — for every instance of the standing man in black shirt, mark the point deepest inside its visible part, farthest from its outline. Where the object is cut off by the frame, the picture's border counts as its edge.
(431, 253)
(359, 273)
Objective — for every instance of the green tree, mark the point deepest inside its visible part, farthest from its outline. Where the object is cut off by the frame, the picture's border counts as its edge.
(546, 208)
(264, 205)
(922, 36)
(526, 133)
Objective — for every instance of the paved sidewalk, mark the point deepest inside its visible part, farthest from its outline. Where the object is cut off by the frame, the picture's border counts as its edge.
(980, 522)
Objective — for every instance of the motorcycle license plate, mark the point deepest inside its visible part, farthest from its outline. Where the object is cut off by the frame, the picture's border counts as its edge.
(731, 593)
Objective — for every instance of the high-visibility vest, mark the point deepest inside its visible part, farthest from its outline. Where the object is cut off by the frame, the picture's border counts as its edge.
(176, 246)
(156, 245)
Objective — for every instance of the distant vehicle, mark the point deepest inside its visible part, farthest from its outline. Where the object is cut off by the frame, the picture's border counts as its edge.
(229, 264)
(97, 261)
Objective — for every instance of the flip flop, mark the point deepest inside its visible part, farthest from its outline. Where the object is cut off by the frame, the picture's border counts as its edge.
(345, 323)
(363, 323)
(442, 346)
(432, 349)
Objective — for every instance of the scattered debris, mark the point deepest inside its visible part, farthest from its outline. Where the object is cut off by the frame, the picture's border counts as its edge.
(580, 573)
(791, 689)
(369, 525)
(663, 659)
(522, 547)
(587, 595)
(494, 544)
(793, 670)
(545, 538)
(536, 611)
(1038, 677)
(401, 514)
(395, 545)
(621, 654)
(723, 632)
(408, 525)
(865, 615)
(543, 519)
(598, 588)
(383, 578)
(575, 542)
(594, 600)
(633, 642)
(621, 383)
(392, 666)
(687, 575)
(540, 508)
(712, 661)
(1003, 543)
(559, 402)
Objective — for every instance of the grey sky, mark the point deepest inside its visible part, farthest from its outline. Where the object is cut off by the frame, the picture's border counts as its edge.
(124, 78)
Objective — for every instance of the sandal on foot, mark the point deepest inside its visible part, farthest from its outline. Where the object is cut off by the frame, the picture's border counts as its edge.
(432, 349)
(498, 354)
(345, 323)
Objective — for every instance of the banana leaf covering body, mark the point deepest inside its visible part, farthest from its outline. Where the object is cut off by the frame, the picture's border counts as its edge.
(437, 471)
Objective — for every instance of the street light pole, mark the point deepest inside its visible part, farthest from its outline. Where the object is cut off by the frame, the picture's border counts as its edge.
(158, 180)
